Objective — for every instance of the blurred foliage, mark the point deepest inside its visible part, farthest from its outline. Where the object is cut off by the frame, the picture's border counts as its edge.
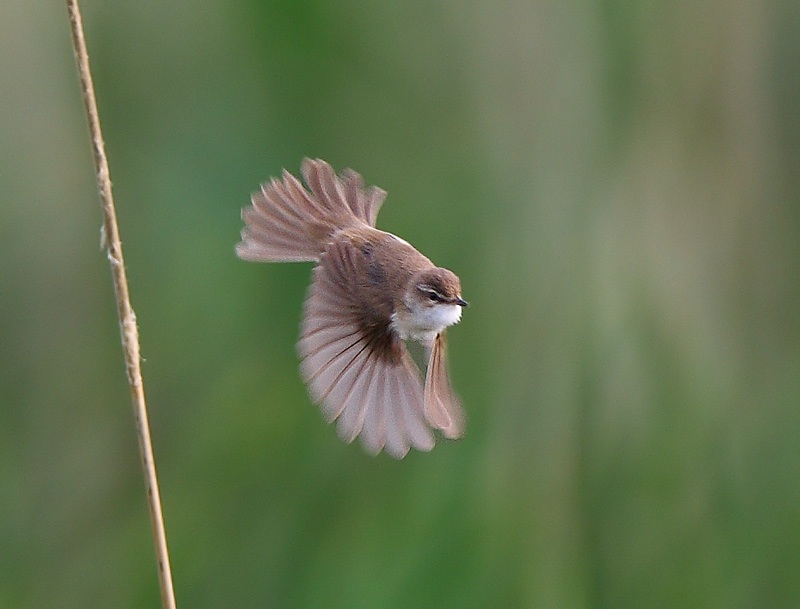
(617, 185)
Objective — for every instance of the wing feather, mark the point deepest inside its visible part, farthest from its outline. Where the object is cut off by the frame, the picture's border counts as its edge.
(343, 196)
(362, 376)
(286, 223)
(373, 432)
(413, 406)
(442, 406)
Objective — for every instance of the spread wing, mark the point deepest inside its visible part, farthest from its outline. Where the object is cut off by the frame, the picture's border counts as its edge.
(287, 223)
(356, 367)
(346, 195)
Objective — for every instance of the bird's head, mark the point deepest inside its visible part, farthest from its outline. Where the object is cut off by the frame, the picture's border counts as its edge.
(434, 302)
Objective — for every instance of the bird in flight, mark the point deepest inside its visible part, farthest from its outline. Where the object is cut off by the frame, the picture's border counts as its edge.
(371, 292)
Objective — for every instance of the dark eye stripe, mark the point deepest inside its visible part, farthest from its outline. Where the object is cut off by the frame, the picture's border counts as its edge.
(432, 294)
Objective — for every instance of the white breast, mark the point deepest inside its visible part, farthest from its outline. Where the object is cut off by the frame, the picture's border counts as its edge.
(425, 323)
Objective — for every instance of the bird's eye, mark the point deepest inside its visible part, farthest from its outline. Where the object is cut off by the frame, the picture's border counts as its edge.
(434, 296)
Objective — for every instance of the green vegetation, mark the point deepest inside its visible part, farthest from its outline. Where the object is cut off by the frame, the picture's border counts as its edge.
(617, 186)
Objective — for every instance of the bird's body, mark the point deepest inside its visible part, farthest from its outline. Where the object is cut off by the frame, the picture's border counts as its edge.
(371, 291)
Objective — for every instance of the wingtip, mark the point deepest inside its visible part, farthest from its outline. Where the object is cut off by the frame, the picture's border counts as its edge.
(443, 409)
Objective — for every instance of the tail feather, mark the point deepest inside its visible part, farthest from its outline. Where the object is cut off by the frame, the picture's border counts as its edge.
(287, 223)
(364, 203)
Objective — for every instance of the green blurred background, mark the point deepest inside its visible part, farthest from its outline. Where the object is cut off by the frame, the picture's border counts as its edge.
(618, 186)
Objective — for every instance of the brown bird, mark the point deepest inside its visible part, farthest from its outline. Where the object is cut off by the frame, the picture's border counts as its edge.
(371, 291)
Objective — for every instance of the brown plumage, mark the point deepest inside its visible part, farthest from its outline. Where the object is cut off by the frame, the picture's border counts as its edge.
(370, 292)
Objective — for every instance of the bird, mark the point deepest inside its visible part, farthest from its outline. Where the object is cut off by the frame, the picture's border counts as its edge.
(371, 293)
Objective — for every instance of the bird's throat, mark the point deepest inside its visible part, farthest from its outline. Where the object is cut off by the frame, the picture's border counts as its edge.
(424, 323)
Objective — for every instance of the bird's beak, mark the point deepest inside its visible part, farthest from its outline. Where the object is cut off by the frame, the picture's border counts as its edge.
(461, 302)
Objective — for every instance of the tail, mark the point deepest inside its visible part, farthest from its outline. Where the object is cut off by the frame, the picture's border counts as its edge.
(286, 223)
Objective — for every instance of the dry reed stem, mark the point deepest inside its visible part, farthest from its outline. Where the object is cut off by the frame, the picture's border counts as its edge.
(127, 318)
